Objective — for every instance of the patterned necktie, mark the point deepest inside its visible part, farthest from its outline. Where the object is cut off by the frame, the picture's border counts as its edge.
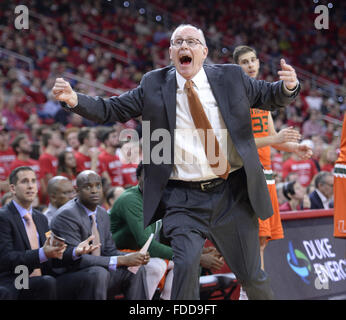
(95, 233)
(31, 231)
(221, 166)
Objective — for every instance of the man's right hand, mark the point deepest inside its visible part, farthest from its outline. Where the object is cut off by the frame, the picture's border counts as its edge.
(85, 247)
(54, 251)
(63, 92)
(133, 259)
(287, 135)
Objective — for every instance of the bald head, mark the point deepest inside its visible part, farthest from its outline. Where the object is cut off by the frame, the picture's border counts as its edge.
(53, 183)
(85, 176)
(60, 190)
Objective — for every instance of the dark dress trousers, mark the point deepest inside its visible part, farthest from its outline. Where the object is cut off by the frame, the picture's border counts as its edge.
(228, 214)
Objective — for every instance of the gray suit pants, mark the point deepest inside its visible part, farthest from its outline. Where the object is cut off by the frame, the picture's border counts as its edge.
(223, 215)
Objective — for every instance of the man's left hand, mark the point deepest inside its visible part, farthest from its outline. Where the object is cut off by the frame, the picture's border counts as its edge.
(288, 75)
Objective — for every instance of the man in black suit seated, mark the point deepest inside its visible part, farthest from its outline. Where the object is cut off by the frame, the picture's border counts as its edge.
(321, 197)
(23, 243)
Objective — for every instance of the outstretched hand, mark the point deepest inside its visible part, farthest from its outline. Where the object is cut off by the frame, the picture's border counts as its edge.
(288, 75)
(62, 91)
(288, 135)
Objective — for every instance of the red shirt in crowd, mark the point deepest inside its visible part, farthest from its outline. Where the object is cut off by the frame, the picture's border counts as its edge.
(129, 174)
(48, 164)
(306, 169)
(6, 158)
(83, 162)
(111, 164)
(277, 161)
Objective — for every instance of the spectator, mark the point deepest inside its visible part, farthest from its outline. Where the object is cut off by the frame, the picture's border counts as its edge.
(112, 195)
(313, 126)
(87, 154)
(306, 169)
(71, 137)
(321, 197)
(6, 198)
(67, 165)
(22, 148)
(60, 190)
(109, 160)
(130, 156)
(328, 158)
(7, 155)
(48, 160)
(296, 195)
(314, 100)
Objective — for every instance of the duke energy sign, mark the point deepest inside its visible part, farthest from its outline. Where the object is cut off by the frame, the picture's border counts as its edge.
(309, 263)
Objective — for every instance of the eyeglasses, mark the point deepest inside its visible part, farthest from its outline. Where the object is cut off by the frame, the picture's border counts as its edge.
(190, 42)
(329, 184)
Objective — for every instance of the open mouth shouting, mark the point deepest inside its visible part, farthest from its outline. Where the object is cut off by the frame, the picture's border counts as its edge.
(185, 60)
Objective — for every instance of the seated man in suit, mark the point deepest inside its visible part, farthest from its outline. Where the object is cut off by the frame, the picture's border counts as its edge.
(60, 190)
(322, 196)
(23, 243)
(81, 217)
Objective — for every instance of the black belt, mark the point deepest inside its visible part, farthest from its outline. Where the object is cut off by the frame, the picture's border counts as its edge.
(206, 185)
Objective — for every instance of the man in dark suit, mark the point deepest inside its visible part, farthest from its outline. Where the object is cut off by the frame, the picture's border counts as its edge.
(182, 183)
(82, 217)
(23, 243)
(321, 197)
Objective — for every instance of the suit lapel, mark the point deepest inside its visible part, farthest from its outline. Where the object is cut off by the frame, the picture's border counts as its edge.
(169, 92)
(84, 218)
(20, 225)
(217, 86)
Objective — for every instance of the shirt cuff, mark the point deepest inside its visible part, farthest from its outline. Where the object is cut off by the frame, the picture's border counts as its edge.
(74, 256)
(70, 107)
(42, 256)
(113, 262)
(289, 92)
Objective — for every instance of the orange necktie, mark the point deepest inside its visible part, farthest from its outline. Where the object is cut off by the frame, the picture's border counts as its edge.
(220, 166)
(32, 235)
(95, 233)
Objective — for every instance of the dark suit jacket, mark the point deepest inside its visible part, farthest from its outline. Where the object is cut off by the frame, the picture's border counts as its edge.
(73, 224)
(15, 247)
(315, 200)
(155, 100)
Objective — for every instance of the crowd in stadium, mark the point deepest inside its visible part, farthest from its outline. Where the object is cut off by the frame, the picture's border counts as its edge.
(56, 45)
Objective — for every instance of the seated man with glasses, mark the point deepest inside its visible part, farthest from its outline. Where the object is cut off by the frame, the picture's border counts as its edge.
(321, 198)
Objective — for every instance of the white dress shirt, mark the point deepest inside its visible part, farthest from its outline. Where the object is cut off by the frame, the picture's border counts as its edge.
(190, 161)
(324, 199)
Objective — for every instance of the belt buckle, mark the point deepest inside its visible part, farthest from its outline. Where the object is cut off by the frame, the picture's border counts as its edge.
(204, 184)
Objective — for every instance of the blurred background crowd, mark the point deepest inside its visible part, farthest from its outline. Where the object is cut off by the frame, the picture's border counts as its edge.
(105, 47)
